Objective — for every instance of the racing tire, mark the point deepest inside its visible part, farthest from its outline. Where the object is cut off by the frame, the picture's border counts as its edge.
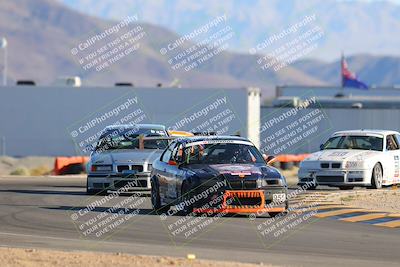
(346, 187)
(156, 199)
(274, 214)
(92, 192)
(377, 177)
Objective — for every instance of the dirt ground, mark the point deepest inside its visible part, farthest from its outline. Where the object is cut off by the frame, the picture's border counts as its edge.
(15, 257)
(388, 200)
(26, 165)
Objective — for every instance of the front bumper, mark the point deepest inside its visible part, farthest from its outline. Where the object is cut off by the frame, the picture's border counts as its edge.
(249, 201)
(360, 177)
(138, 182)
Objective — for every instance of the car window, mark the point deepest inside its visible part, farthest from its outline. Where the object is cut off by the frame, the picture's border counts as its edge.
(355, 142)
(222, 153)
(177, 153)
(128, 138)
(166, 156)
(391, 143)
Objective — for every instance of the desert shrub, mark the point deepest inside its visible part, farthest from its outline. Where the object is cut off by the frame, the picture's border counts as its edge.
(20, 171)
(39, 171)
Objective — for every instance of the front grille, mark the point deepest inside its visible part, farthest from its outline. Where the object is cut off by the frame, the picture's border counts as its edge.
(330, 178)
(243, 199)
(247, 201)
(251, 184)
(138, 168)
(121, 168)
(242, 184)
(135, 183)
(336, 165)
(325, 165)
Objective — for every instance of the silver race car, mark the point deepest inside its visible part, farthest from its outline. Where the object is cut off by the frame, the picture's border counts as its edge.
(123, 157)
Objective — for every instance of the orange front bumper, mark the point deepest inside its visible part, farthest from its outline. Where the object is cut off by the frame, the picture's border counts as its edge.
(230, 194)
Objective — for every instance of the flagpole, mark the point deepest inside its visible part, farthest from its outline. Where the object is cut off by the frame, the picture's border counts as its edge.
(341, 70)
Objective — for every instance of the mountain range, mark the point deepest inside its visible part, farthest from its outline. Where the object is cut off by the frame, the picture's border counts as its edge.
(353, 26)
(41, 34)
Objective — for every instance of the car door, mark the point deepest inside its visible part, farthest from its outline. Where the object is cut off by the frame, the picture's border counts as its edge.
(175, 173)
(162, 172)
(393, 156)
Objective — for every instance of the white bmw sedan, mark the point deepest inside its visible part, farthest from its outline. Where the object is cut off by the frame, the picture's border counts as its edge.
(368, 158)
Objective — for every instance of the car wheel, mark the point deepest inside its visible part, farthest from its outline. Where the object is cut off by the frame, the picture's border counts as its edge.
(186, 195)
(346, 187)
(156, 199)
(274, 214)
(90, 192)
(377, 177)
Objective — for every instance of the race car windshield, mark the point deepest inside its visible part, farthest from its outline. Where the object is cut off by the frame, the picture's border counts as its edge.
(222, 153)
(129, 139)
(355, 142)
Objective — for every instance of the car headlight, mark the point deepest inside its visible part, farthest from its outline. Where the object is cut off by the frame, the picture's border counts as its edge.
(149, 167)
(101, 168)
(354, 164)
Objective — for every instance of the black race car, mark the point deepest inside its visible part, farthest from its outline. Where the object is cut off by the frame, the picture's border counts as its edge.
(210, 174)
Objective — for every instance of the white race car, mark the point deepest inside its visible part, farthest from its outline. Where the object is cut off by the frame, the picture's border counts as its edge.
(368, 158)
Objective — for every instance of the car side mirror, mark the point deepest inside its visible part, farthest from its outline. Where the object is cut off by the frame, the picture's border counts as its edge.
(268, 159)
(321, 147)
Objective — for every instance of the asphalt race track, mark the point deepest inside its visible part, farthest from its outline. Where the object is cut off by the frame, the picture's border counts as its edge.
(36, 212)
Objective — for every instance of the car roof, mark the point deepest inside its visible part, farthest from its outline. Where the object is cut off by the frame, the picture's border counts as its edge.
(135, 126)
(366, 132)
(198, 138)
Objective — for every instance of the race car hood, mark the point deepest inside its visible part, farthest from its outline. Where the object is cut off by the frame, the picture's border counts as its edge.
(125, 156)
(235, 171)
(341, 155)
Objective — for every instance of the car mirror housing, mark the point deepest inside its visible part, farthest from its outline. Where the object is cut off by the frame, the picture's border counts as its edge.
(268, 159)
